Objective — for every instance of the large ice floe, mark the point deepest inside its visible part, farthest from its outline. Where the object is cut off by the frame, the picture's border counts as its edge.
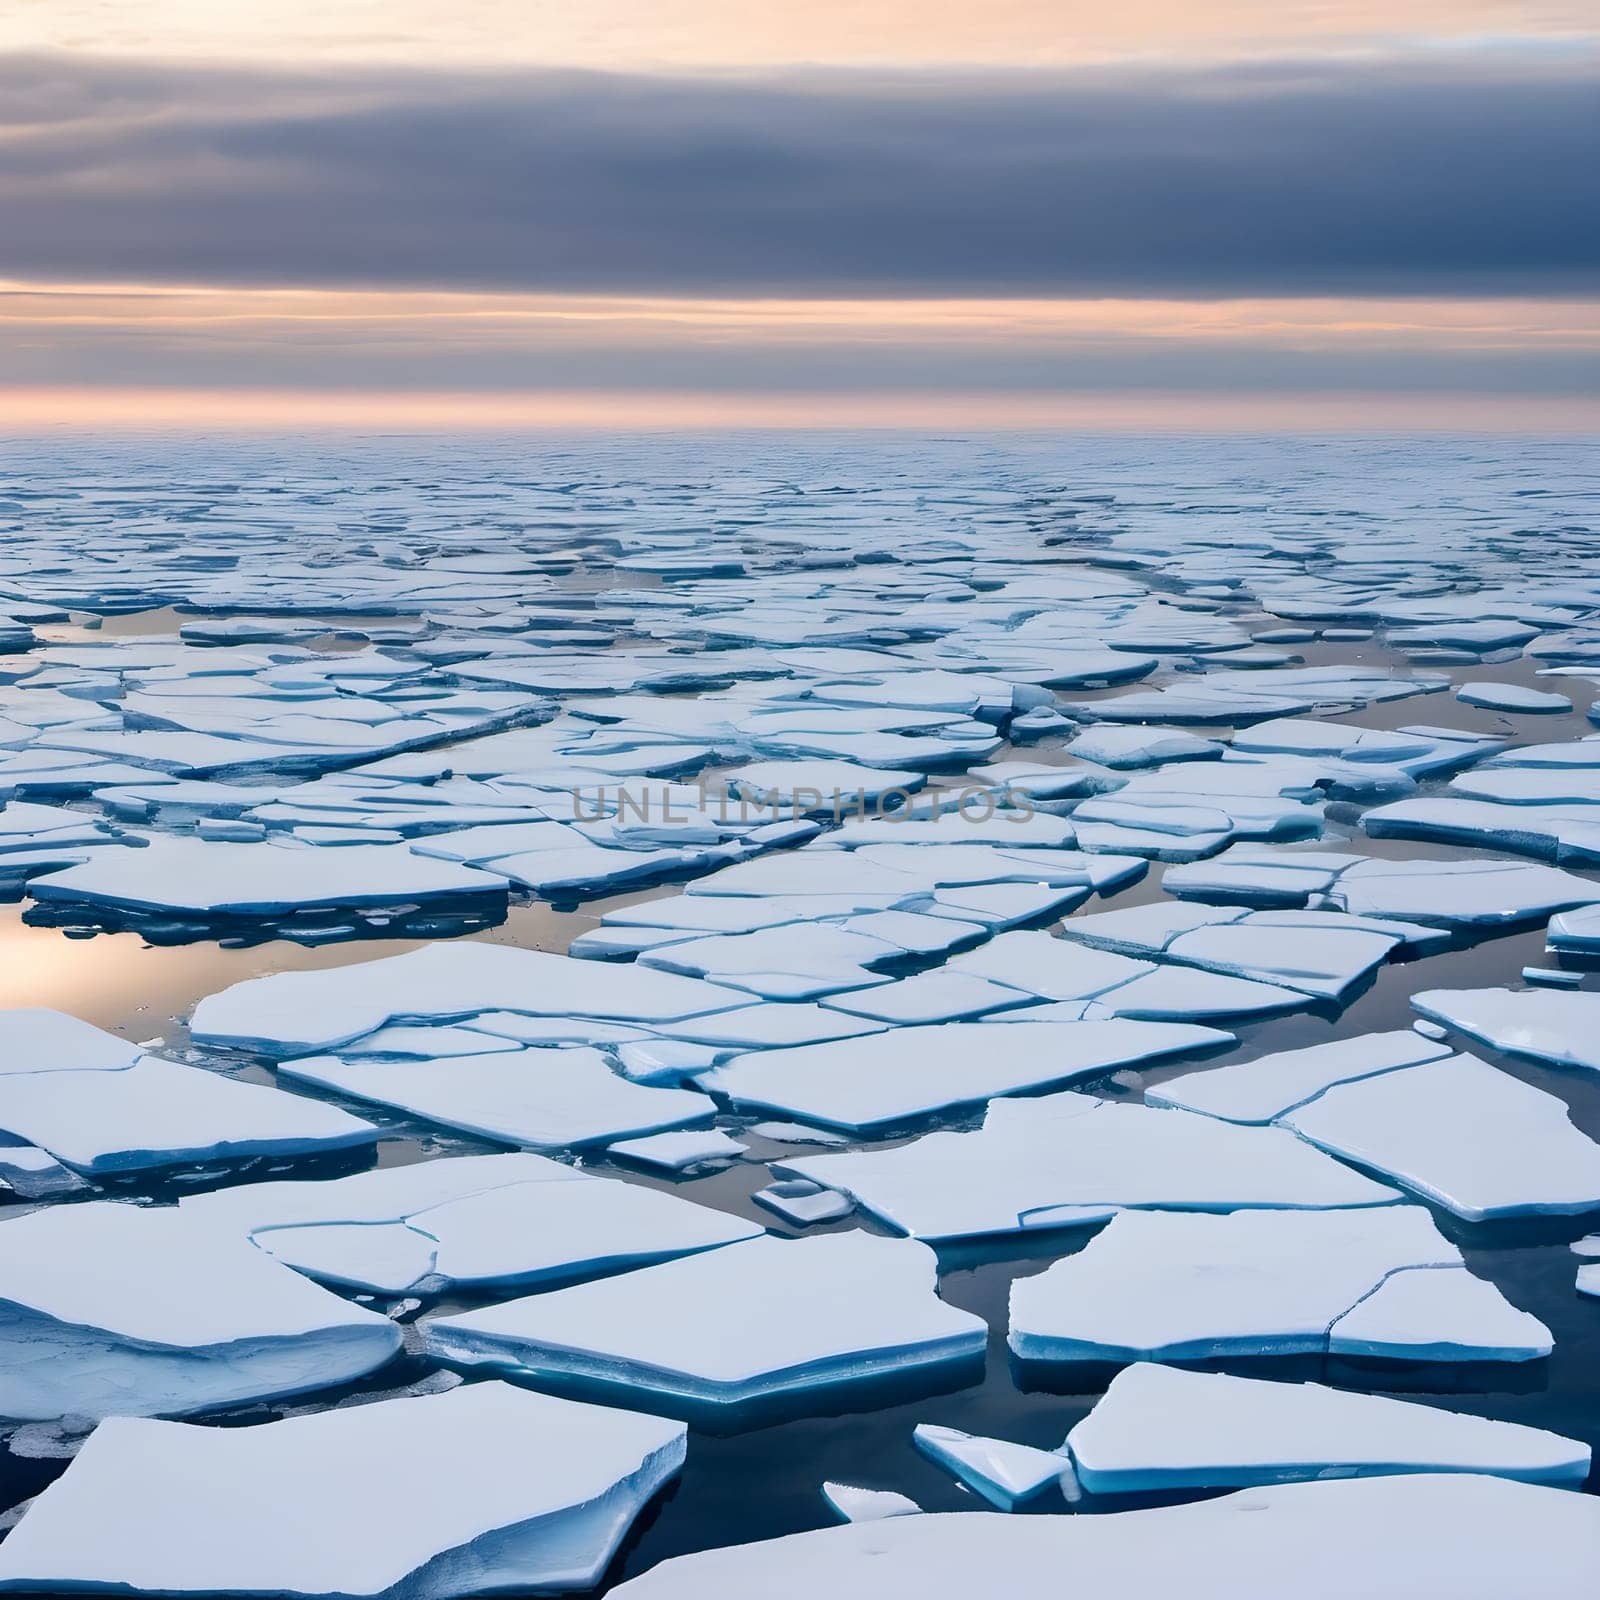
(1163, 1428)
(533, 1493)
(111, 1309)
(1069, 1160)
(882, 1079)
(1168, 1287)
(1402, 1106)
(1562, 1029)
(805, 1320)
(102, 1105)
(1468, 1536)
(465, 1222)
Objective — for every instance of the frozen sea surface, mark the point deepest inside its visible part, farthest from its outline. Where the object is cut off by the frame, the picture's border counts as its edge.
(610, 885)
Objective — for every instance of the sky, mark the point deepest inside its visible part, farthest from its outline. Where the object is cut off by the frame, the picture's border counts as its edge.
(848, 212)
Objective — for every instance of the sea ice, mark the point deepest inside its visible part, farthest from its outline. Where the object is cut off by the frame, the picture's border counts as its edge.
(1173, 1287)
(1005, 1474)
(120, 1309)
(764, 1318)
(532, 1493)
(1467, 1536)
(1162, 1428)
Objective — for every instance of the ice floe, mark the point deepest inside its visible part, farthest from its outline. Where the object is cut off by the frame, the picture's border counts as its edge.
(765, 1318)
(1069, 1159)
(464, 1222)
(1163, 1428)
(101, 1105)
(1005, 1474)
(1170, 1287)
(535, 1493)
(120, 1309)
(1469, 1536)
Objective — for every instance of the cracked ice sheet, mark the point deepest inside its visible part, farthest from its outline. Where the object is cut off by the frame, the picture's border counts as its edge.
(1046, 968)
(1165, 1286)
(1246, 697)
(159, 1314)
(1068, 1160)
(1323, 954)
(100, 1105)
(464, 1222)
(291, 1013)
(199, 879)
(1468, 1536)
(765, 1318)
(1434, 890)
(882, 1079)
(1401, 1106)
(538, 1494)
(1162, 1428)
(541, 1098)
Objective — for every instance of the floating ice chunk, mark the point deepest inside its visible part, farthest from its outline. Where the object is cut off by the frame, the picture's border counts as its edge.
(1005, 1474)
(1575, 932)
(884, 1078)
(1062, 970)
(1461, 1133)
(764, 1318)
(1260, 1090)
(764, 1026)
(1170, 1287)
(1552, 977)
(1563, 1029)
(100, 1104)
(1120, 747)
(1557, 831)
(1463, 1535)
(124, 1309)
(811, 788)
(852, 1504)
(1589, 1279)
(464, 1222)
(941, 996)
(798, 961)
(1323, 954)
(802, 1202)
(34, 1174)
(676, 1151)
(795, 1133)
(1068, 1159)
(1162, 1428)
(545, 1099)
(292, 1012)
(1511, 697)
(537, 1496)
(196, 878)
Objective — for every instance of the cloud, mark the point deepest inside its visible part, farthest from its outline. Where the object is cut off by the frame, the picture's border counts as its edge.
(1457, 174)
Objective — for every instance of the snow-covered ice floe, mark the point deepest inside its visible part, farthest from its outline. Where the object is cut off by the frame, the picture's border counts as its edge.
(120, 1309)
(465, 1222)
(1467, 1536)
(1070, 1160)
(881, 1079)
(800, 1319)
(1003, 1473)
(292, 1013)
(1562, 1029)
(483, 1489)
(101, 1105)
(1162, 1428)
(1170, 1287)
(1461, 1133)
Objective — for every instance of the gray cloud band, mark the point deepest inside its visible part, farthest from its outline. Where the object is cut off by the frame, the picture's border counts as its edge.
(1471, 175)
